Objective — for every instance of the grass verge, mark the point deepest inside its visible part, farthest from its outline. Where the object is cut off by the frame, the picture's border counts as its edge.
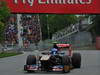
(2, 55)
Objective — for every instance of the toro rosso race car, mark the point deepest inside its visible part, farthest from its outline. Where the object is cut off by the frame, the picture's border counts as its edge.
(63, 62)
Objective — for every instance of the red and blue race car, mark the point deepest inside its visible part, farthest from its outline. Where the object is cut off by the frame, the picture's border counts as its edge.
(63, 62)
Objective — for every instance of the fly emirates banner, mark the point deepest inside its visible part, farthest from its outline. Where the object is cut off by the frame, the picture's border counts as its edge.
(54, 6)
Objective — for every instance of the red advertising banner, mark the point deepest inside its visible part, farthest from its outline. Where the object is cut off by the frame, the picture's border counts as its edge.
(55, 6)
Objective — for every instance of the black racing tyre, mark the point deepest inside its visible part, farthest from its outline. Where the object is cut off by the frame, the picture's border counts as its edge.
(29, 71)
(76, 60)
(31, 59)
(25, 67)
(66, 64)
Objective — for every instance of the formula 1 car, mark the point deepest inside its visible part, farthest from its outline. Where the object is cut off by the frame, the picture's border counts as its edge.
(48, 62)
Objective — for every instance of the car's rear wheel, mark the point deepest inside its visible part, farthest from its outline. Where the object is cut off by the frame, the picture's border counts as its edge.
(76, 60)
(29, 71)
(66, 64)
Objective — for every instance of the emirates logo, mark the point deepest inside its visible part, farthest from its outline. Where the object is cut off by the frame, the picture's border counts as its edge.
(30, 2)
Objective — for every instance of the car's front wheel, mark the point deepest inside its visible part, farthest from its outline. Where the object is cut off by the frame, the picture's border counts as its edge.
(66, 64)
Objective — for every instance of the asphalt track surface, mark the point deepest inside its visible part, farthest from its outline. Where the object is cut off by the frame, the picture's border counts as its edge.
(14, 65)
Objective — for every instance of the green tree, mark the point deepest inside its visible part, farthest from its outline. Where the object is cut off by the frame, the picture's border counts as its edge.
(96, 22)
(55, 22)
(1, 31)
(95, 26)
(95, 29)
(4, 13)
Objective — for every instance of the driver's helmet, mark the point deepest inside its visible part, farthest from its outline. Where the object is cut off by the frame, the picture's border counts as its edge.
(54, 51)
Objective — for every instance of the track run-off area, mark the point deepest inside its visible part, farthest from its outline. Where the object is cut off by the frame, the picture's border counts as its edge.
(14, 65)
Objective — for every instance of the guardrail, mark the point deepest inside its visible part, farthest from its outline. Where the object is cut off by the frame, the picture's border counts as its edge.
(66, 32)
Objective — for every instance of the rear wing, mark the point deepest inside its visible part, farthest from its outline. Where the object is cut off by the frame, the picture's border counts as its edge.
(64, 45)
